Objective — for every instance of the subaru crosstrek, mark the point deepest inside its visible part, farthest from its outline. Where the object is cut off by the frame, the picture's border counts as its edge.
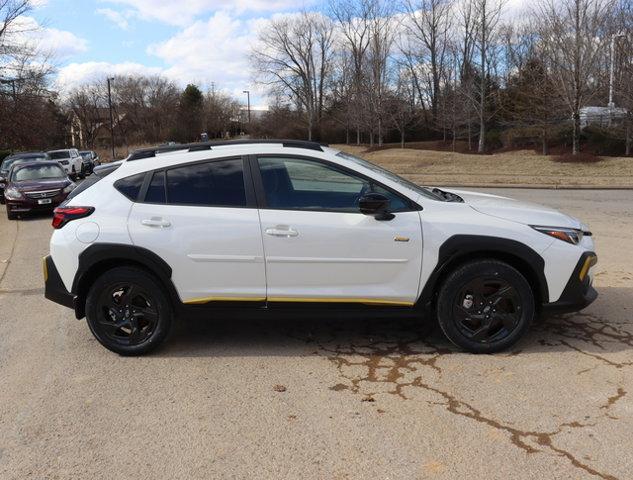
(278, 227)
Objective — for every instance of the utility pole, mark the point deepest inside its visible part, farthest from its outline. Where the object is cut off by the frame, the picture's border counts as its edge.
(111, 116)
(248, 100)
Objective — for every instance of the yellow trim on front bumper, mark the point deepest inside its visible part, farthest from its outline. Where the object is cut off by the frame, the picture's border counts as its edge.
(589, 262)
(44, 269)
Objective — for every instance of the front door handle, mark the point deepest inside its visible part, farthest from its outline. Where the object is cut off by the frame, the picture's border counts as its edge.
(282, 231)
(156, 222)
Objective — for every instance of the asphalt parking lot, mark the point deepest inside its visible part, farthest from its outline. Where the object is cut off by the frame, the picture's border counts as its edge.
(331, 399)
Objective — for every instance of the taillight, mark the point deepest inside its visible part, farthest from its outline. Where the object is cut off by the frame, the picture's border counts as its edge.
(63, 215)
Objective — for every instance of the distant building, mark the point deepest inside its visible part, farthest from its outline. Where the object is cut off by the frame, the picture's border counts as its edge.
(601, 116)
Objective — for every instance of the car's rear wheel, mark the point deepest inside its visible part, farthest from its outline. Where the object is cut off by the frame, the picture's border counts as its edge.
(128, 311)
(485, 306)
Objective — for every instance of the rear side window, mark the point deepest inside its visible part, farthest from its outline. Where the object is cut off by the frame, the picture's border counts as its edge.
(217, 183)
(130, 186)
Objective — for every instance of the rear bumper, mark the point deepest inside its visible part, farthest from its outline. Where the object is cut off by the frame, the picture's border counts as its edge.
(54, 288)
(579, 292)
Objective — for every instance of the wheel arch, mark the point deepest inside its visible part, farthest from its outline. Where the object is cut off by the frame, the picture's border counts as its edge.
(461, 249)
(101, 257)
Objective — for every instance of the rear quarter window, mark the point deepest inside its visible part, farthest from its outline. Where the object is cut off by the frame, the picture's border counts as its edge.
(130, 186)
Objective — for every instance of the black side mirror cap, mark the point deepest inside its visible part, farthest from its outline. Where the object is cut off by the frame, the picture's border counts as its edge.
(375, 204)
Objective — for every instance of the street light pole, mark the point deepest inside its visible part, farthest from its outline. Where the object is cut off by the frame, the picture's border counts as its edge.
(111, 116)
(248, 100)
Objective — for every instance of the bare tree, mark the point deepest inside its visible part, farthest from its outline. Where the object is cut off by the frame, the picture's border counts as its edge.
(220, 111)
(574, 35)
(428, 25)
(87, 104)
(353, 17)
(294, 55)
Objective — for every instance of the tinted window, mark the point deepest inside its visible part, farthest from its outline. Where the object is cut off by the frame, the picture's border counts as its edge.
(130, 186)
(37, 173)
(156, 190)
(58, 155)
(219, 183)
(303, 184)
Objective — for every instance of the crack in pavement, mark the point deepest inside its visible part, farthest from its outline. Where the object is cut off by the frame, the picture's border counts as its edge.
(388, 361)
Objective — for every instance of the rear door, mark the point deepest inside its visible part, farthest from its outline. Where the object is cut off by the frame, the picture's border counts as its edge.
(320, 248)
(201, 218)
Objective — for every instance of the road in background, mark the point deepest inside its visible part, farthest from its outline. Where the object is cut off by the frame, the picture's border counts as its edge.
(329, 399)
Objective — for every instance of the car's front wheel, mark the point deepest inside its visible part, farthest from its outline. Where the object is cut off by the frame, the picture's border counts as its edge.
(128, 311)
(485, 306)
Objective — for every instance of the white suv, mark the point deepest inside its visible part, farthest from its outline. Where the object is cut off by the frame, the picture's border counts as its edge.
(70, 160)
(270, 226)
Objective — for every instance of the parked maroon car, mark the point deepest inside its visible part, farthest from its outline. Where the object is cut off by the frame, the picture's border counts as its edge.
(36, 186)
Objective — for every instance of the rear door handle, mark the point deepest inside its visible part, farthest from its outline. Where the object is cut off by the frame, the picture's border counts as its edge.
(281, 231)
(156, 222)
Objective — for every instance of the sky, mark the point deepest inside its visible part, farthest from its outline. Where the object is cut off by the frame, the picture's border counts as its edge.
(205, 42)
(190, 41)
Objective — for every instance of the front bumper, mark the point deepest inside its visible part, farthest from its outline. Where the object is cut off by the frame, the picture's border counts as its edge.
(54, 288)
(579, 292)
(26, 204)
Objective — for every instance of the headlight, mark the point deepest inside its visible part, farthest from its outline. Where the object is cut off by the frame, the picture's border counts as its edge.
(569, 235)
(69, 188)
(12, 193)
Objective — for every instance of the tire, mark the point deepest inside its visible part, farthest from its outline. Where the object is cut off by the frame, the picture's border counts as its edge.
(73, 173)
(128, 325)
(485, 306)
(82, 172)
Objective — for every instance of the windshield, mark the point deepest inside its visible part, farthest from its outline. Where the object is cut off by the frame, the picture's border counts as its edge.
(58, 155)
(86, 155)
(424, 191)
(37, 172)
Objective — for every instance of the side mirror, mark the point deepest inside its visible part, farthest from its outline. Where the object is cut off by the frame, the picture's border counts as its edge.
(375, 204)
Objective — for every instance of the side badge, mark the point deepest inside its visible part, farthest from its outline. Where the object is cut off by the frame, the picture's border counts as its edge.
(401, 239)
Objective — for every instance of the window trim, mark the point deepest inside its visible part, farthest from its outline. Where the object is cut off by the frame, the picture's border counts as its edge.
(260, 192)
(248, 184)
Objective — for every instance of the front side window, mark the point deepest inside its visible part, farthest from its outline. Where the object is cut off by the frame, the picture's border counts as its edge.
(298, 184)
(216, 183)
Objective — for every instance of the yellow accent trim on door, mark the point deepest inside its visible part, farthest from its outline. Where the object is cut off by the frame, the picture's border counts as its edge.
(369, 301)
(194, 301)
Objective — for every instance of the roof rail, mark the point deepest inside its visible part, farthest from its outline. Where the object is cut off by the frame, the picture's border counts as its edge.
(201, 146)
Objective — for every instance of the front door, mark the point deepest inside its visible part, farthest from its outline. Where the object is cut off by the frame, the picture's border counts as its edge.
(320, 248)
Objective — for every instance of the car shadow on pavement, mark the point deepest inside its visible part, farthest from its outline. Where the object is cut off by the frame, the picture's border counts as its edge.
(605, 327)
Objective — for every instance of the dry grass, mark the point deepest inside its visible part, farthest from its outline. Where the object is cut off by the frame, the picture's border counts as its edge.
(522, 167)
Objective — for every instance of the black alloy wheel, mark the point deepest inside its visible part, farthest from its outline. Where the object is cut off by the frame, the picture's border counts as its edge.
(485, 306)
(128, 311)
(487, 309)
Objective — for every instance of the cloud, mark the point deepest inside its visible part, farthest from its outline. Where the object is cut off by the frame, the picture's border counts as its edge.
(118, 18)
(76, 74)
(215, 50)
(60, 43)
(175, 13)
